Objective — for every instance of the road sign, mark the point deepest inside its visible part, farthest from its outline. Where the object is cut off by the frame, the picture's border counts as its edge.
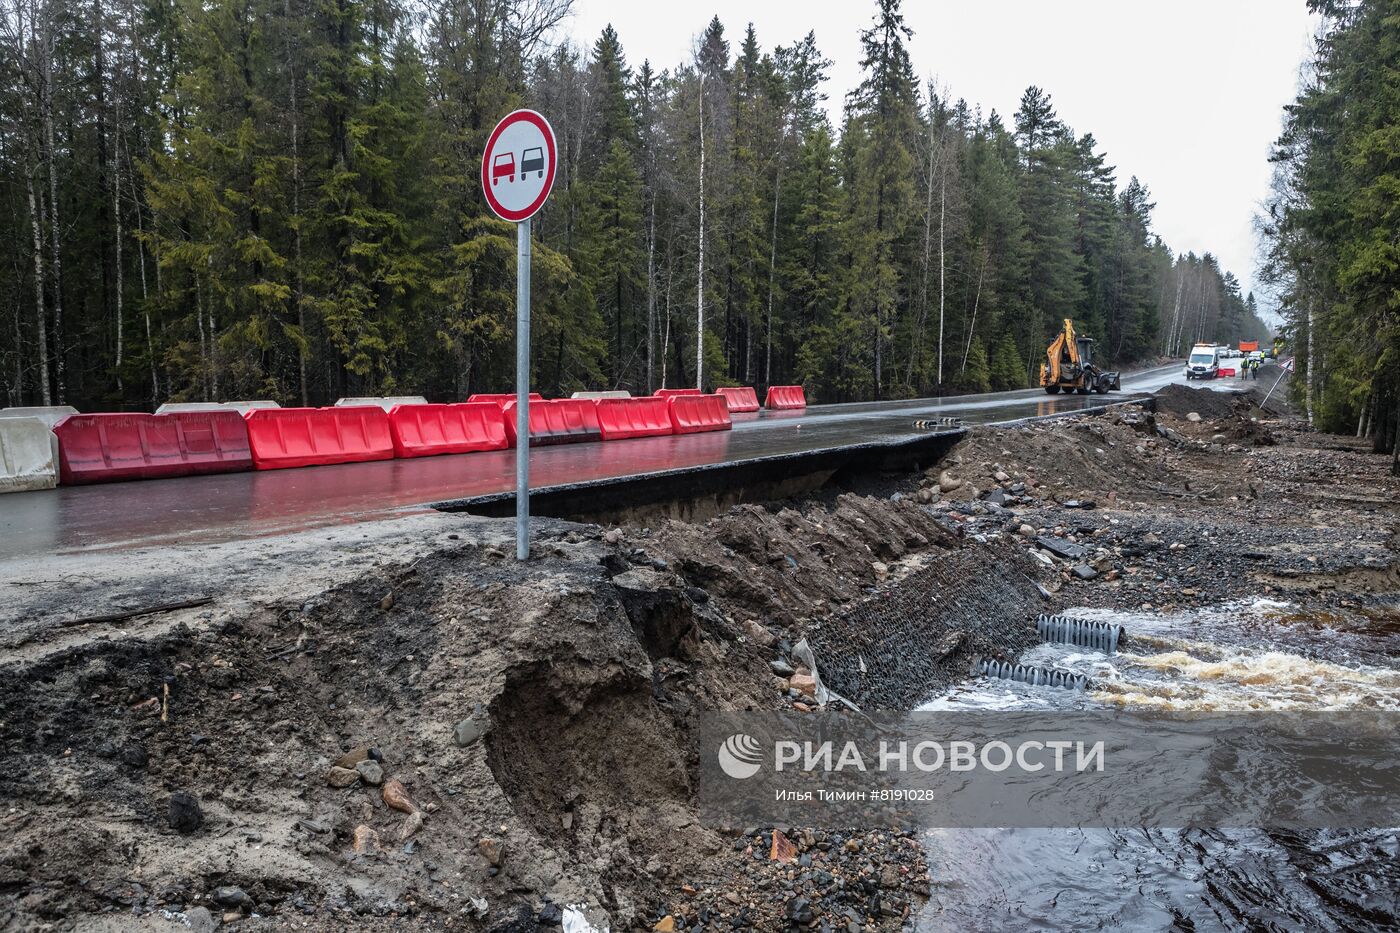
(1288, 365)
(517, 168)
(517, 171)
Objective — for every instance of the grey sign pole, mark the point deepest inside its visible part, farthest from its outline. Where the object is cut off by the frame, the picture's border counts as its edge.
(517, 172)
(522, 389)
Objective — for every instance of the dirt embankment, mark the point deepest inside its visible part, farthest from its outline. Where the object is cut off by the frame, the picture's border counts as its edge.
(443, 739)
(458, 740)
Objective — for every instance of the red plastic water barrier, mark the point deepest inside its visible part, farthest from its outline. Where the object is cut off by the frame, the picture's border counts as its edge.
(691, 414)
(785, 397)
(1227, 371)
(557, 421)
(429, 430)
(500, 398)
(647, 416)
(104, 448)
(672, 393)
(298, 437)
(739, 398)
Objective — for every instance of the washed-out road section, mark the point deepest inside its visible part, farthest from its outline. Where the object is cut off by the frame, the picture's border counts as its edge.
(210, 509)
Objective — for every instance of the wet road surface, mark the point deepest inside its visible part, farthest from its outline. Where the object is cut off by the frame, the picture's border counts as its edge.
(204, 509)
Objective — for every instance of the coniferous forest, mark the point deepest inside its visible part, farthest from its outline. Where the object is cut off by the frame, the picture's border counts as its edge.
(1331, 224)
(280, 199)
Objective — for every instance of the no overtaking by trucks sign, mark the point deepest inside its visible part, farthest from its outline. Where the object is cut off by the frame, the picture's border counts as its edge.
(517, 168)
(517, 171)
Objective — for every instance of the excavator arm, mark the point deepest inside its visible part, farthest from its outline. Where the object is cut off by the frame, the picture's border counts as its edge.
(1063, 349)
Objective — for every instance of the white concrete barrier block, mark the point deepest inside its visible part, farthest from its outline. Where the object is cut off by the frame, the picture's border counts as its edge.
(247, 405)
(50, 415)
(170, 408)
(605, 393)
(385, 402)
(28, 455)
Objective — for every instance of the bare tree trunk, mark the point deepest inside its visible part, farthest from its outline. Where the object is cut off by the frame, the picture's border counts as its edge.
(213, 346)
(117, 240)
(297, 293)
(651, 294)
(203, 343)
(976, 300)
(666, 338)
(40, 312)
(772, 272)
(1308, 383)
(700, 267)
(1169, 348)
(145, 295)
(942, 263)
(917, 333)
(55, 226)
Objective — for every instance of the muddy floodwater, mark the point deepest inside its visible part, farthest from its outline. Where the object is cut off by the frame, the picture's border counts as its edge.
(1261, 655)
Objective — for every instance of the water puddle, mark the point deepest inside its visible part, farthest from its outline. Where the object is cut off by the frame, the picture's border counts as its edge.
(1260, 655)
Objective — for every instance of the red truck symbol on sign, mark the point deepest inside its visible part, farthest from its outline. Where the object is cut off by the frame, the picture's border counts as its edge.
(503, 164)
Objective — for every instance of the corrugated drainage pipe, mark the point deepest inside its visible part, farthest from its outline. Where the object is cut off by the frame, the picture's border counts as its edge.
(1032, 675)
(1085, 633)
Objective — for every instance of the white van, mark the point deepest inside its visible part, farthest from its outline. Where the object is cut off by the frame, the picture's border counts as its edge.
(1204, 362)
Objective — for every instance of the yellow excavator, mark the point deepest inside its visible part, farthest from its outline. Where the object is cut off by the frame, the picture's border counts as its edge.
(1069, 366)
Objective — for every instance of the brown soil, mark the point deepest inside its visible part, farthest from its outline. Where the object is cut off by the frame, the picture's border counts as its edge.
(540, 716)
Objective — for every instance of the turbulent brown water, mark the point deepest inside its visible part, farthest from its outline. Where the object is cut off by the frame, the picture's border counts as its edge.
(1250, 656)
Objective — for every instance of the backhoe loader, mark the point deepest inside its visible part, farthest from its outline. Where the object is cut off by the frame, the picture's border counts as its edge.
(1069, 366)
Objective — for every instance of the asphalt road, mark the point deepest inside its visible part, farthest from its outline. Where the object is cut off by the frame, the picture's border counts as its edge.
(203, 509)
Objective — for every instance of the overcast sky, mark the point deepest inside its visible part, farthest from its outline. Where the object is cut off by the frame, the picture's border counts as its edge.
(1186, 95)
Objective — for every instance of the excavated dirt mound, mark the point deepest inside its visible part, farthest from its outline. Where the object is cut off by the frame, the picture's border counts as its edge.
(1180, 400)
(784, 564)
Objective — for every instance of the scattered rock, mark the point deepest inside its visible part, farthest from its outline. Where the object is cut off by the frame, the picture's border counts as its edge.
(387, 602)
(759, 633)
(341, 777)
(613, 535)
(411, 825)
(1193, 416)
(1084, 571)
(184, 812)
(200, 920)
(492, 850)
(551, 915)
(666, 924)
(370, 772)
(356, 755)
(466, 732)
(947, 482)
(880, 568)
(799, 911)
(1026, 531)
(396, 796)
(1065, 550)
(364, 840)
(781, 668)
(783, 849)
(232, 897)
(804, 684)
